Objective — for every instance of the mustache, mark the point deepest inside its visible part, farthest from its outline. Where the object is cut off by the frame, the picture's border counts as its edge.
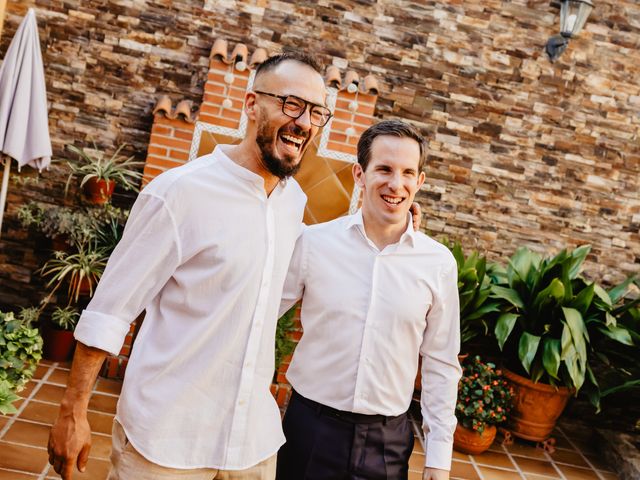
(297, 131)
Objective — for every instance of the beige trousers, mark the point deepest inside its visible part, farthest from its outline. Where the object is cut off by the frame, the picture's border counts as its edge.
(128, 464)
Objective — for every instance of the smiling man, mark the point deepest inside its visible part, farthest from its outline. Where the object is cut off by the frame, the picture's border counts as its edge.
(375, 295)
(205, 252)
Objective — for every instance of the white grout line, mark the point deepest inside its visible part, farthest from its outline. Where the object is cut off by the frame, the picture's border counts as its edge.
(476, 467)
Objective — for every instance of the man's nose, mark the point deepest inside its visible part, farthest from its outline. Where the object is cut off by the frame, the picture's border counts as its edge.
(304, 120)
(395, 181)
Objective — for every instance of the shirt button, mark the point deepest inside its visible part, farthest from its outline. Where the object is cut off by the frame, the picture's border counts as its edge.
(241, 402)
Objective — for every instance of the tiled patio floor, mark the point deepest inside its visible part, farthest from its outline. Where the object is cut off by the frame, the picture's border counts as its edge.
(23, 440)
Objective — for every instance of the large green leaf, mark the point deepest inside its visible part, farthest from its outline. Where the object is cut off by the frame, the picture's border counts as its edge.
(520, 264)
(483, 310)
(582, 300)
(508, 294)
(602, 294)
(619, 334)
(578, 330)
(575, 369)
(551, 356)
(504, 327)
(527, 349)
(553, 293)
(577, 259)
(617, 292)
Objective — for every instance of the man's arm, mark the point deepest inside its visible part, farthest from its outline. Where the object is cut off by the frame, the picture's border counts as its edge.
(435, 474)
(70, 437)
(441, 371)
(294, 282)
(138, 269)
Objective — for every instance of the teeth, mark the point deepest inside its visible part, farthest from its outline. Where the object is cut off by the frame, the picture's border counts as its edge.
(393, 200)
(297, 141)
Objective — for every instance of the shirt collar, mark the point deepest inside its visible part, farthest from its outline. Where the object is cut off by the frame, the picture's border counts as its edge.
(408, 237)
(245, 173)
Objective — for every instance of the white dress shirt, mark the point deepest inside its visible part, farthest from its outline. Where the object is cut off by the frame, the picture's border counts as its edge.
(366, 315)
(206, 252)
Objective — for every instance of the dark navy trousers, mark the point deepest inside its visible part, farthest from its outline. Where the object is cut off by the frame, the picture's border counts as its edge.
(327, 444)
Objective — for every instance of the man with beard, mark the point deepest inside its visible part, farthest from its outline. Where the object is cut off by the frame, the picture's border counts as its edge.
(205, 253)
(375, 295)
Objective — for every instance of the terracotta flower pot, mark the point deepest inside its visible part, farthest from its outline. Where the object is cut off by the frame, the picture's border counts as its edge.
(536, 407)
(58, 344)
(99, 191)
(472, 442)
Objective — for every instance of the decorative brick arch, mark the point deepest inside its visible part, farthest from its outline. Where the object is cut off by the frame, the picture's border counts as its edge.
(182, 132)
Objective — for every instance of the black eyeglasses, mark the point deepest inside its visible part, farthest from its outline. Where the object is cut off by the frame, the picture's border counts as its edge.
(295, 107)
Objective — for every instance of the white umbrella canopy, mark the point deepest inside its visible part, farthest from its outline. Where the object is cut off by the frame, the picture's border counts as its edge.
(24, 126)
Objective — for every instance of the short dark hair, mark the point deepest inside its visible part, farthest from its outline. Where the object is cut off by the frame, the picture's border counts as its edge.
(394, 128)
(300, 57)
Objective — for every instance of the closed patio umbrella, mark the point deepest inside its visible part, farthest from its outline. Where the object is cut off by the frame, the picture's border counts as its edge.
(24, 127)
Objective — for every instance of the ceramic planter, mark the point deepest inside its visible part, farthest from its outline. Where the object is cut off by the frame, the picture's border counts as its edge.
(97, 191)
(536, 407)
(58, 344)
(472, 442)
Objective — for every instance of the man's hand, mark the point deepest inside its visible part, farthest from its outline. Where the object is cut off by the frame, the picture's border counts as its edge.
(69, 444)
(435, 474)
(416, 213)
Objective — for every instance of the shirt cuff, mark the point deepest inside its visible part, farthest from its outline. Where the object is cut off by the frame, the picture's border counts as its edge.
(438, 454)
(102, 331)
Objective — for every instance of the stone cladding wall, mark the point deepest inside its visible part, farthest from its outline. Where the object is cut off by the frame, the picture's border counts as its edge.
(523, 152)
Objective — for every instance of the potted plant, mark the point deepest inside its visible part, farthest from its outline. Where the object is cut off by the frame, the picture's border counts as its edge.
(20, 352)
(474, 290)
(58, 334)
(484, 401)
(101, 173)
(549, 318)
(80, 270)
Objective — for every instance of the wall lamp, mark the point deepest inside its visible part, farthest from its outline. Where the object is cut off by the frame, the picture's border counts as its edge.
(573, 15)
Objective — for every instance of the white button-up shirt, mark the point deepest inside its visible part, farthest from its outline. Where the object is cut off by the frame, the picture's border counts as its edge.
(367, 315)
(206, 252)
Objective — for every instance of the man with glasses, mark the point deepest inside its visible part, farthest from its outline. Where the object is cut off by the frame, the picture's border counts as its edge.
(205, 253)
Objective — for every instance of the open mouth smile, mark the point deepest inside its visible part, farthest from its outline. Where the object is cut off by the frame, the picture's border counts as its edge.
(292, 141)
(390, 200)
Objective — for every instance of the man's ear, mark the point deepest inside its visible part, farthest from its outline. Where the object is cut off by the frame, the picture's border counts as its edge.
(250, 106)
(421, 179)
(358, 175)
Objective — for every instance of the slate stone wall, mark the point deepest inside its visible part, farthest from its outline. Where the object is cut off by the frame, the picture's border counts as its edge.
(523, 152)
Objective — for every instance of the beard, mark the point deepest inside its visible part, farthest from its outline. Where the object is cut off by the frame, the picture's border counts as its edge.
(277, 166)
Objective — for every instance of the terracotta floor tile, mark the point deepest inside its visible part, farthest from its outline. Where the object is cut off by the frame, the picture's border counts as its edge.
(103, 403)
(40, 370)
(100, 422)
(575, 473)
(109, 386)
(96, 470)
(59, 377)
(40, 412)
(570, 457)
(3, 421)
(494, 459)
(463, 470)
(416, 461)
(417, 446)
(100, 446)
(460, 456)
(33, 434)
(598, 462)
(49, 393)
(526, 450)
(540, 467)
(495, 474)
(27, 390)
(7, 475)
(25, 459)
(533, 476)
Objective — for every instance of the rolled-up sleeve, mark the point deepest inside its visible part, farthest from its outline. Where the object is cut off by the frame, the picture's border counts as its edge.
(139, 267)
(441, 371)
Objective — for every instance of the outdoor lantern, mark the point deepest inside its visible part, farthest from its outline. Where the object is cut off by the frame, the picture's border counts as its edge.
(573, 15)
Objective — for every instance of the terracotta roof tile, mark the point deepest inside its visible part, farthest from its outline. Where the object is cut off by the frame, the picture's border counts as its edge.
(184, 109)
(351, 81)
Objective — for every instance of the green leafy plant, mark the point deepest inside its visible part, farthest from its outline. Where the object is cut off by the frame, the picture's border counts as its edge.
(474, 290)
(20, 352)
(484, 397)
(551, 317)
(81, 270)
(65, 318)
(96, 164)
(284, 344)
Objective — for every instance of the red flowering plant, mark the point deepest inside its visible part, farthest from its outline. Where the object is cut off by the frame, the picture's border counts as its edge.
(484, 397)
